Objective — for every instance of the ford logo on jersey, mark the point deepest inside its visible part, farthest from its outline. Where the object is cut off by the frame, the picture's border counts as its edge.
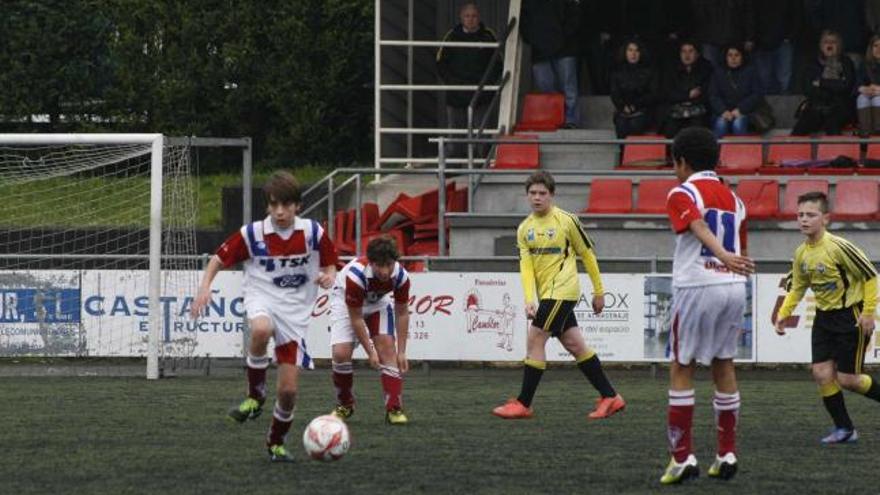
(289, 281)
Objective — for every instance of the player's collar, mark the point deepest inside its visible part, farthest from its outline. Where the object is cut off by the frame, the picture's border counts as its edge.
(269, 226)
(703, 175)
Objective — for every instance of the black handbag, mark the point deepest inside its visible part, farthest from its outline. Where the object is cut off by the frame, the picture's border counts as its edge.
(687, 110)
(761, 119)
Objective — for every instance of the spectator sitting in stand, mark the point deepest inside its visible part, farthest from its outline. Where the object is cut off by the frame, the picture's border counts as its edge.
(633, 90)
(830, 86)
(733, 94)
(868, 100)
(685, 87)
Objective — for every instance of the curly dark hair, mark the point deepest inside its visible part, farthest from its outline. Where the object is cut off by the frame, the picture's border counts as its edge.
(382, 250)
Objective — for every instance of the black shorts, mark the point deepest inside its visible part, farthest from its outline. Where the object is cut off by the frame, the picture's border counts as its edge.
(837, 337)
(555, 316)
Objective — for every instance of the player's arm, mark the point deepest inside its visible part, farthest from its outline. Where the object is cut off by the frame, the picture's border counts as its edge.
(401, 321)
(232, 251)
(735, 263)
(329, 257)
(583, 246)
(526, 271)
(359, 325)
(797, 287)
(858, 267)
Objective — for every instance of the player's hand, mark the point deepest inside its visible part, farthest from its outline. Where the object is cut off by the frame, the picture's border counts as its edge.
(598, 303)
(324, 280)
(740, 265)
(780, 326)
(202, 299)
(530, 311)
(866, 323)
(402, 363)
(373, 357)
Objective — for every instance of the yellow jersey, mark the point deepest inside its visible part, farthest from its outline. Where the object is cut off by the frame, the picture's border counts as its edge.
(547, 248)
(838, 273)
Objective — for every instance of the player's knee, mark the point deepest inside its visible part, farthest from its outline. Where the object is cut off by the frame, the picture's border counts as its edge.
(848, 381)
(287, 395)
(260, 333)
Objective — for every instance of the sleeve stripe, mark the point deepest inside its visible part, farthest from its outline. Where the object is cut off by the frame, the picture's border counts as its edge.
(580, 230)
(857, 259)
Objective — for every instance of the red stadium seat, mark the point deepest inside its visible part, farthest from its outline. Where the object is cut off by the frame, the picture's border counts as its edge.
(778, 152)
(518, 156)
(761, 197)
(369, 217)
(873, 151)
(542, 112)
(737, 159)
(773, 170)
(856, 200)
(652, 195)
(642, 156)
(831, 170)
(610, 196)
(830, 151)
(795, 188)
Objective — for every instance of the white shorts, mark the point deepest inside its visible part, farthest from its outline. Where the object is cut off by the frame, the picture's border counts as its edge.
(380, 322)
(282, 318)
(706, 321)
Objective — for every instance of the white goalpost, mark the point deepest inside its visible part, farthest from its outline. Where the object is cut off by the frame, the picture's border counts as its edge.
(94, 228)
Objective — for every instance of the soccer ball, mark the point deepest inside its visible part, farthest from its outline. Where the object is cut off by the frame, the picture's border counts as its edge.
(326, 438)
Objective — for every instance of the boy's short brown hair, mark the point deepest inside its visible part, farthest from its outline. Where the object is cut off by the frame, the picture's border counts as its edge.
(382, 250)
(817, 196)
(542, 177)
(282, 187)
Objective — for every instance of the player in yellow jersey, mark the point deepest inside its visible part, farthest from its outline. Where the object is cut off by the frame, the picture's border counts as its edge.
(549, 241)
(844, 283)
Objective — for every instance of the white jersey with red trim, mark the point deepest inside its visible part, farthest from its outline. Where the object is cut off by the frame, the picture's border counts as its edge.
(356, 286)
(280, 268)
(704, 196)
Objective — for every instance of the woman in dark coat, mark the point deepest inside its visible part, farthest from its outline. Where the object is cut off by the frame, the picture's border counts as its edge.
(686, 91)
(830, 84)
(633, 90)
(734, 93)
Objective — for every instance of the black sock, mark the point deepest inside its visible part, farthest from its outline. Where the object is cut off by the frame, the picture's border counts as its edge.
(531, 378)
(837, 409)
(592, 369)
(873, 391)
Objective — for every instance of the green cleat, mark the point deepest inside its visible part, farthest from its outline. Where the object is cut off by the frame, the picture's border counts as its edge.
(676, 473)
(248, 409)
(342, 412)
(724, 466)
(277, 453)
(396, 417)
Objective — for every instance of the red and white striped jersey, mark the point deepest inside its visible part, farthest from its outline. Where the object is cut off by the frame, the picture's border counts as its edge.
(704, 196)
(278, 269)
(356, 286)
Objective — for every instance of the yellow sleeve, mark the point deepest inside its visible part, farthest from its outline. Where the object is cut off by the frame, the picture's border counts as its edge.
(870, 297)
(526, 267)
(796, 286)
(583, 246)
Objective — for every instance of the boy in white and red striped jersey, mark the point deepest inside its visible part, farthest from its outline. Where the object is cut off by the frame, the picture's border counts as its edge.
(370, 307)
(285, 259)
(709, 273)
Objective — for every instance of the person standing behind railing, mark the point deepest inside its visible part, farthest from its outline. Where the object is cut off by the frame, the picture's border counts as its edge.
(462, 66)
(551, 28)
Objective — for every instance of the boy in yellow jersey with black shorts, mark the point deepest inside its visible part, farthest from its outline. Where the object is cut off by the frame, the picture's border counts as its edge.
(549, 241)
(844, 283)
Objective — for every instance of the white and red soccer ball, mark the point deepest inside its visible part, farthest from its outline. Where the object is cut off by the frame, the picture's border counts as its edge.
(326, 438)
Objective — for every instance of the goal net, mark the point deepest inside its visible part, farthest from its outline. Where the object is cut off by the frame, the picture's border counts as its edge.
(84, 271)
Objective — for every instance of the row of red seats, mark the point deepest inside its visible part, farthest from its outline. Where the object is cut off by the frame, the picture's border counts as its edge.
(743, 158)
(853, 199)
(410, 220)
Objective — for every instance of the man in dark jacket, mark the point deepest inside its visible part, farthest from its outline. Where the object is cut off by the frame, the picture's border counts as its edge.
(466, 66)
(551, 28)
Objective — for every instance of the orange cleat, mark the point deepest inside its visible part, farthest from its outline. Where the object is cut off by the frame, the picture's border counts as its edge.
(607, 407)
(513, 409)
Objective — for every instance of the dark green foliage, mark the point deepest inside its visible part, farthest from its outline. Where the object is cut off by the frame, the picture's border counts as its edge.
(126, 435)
(293, 75)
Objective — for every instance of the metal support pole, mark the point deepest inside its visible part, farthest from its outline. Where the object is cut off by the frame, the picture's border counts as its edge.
(377, 83)
(441, 197)
(358, 199)
(331, 223)
(247, 182)
(409, 77)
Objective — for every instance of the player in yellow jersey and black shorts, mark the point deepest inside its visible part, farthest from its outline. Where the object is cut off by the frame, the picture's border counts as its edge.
(844, 283)
(549, 241)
